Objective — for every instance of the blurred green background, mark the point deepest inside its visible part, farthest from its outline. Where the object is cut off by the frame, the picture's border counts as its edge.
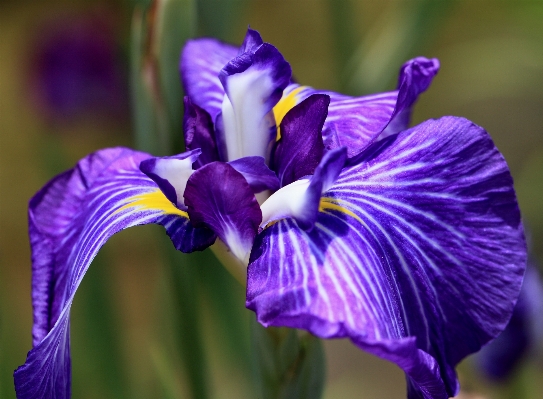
(128, 315)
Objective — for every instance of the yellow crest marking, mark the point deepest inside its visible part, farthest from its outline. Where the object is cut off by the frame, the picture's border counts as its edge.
(154, 200)
(335, 205)
(285, 104)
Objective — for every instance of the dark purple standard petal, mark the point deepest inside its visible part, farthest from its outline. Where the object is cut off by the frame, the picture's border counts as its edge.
(200, 64)
(69, 220)
(251, 42)
(199, 133)
(300, 148)
(257, 174)
(219, 197)
(417, 254)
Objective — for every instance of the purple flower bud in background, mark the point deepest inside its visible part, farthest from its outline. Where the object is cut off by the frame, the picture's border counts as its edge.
(75, 69)
(501, 357)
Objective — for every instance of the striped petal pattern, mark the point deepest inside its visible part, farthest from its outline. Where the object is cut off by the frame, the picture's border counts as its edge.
(69, 220)
(200, 64)
(417, 254)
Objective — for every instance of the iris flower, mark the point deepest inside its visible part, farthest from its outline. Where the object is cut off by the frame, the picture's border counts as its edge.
(347, 223)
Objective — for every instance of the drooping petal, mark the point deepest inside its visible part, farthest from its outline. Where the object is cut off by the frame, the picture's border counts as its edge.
(300, 199)
(417, 254)
(257, 174)
(354, 122)
(171, 174)
(300, 148)
(499, 359)
(253, 82)
(219, 197)
(199, 133)
(200, 65)
(69, 220)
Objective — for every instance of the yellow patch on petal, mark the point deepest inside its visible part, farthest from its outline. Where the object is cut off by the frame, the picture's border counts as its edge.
(154, 200)
(285, 104)
(335, 205)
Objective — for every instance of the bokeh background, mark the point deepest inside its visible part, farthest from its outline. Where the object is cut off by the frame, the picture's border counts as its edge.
(64, 92)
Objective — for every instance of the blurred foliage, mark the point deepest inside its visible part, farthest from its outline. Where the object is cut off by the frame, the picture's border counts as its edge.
(127, 336)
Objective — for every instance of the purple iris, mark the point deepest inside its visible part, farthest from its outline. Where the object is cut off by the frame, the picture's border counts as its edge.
(407, 241)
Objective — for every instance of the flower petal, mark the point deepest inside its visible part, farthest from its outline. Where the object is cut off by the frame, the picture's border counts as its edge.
(253, 82)
(300, 148)
(257, 174)
(251, 42)
(200, 64)
(219, 197)
(418, 253)
(199, 133)
(499, 358)
(354, 122)
(300, 199)
(69, 220)
(171, 174)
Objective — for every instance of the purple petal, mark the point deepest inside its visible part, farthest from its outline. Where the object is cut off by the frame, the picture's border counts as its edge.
(500, 357)
(354, 122)
(171, 174)
(251, 42)
(69, 220)
(201, 62)
(219, 197)
(300, 148)
(254, 83)
(257, 174)
(199, 133)
(417, 254)
(300, 199)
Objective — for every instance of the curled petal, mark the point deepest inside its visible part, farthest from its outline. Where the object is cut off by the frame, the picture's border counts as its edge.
(253, 83)
(200, 64)
(300, 199)
(171, 174)
(69, 220)
(219, 197)
(417, 254)
(355, 122)
(300, 147)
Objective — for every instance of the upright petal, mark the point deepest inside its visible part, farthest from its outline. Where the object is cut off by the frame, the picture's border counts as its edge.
(200, 64)
(219, 197)
(417, 254)
(254, 82)
(252, 41)
(69, 220)
(300, 147)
